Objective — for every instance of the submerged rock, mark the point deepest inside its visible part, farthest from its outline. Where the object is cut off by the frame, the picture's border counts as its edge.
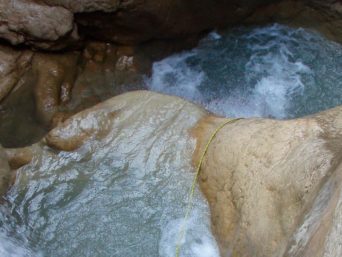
(120, 171)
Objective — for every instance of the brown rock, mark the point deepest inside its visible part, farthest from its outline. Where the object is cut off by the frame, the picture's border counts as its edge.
(50, 24)
(55, 75)
(34, 23)
(262, 176)
(274, 187)
(137, 21)
(13, 64)
(5, 174)
(73, 132)
(56, 24)
(18, 157)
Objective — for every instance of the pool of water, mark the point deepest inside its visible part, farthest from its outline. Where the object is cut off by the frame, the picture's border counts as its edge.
(273, 71)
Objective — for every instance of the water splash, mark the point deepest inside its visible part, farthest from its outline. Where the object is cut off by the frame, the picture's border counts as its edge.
(273, 71)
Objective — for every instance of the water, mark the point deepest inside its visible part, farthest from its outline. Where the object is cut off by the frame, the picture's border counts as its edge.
(273, 71)
(123, 195)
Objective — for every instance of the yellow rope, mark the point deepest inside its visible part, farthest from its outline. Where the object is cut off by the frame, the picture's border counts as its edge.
(192, 189)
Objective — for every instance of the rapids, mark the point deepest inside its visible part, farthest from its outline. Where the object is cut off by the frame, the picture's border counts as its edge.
(273, 71)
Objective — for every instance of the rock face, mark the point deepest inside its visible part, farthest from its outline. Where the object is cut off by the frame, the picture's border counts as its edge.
(52, 24)
(13, 64)
(273, 185)
(138, 21)
(55, 77)
(57, 24)
(34, 23)
(40, 89)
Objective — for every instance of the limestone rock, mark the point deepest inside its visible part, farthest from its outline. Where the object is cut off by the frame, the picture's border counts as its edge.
(32, 23)
(274, 186)
(56, 24)
(18, 157)
(55, 75)
(53, 24)
(78, 6)
(264, 177)
(138, 21)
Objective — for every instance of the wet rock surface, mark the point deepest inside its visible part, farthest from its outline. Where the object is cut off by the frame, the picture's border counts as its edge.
(257, 174)
(265, 181)
(90, 162)
(41, 89)
(55, 77)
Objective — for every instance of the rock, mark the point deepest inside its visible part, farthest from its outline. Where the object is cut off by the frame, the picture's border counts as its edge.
(274, 186)
(55, 77)
(100, 121)
(18, 157)
(79, 6)
(265, 181)
(53, 24)
(37, 24)
(13, 64)
(58, 24)
(135, 21)
(5, 174)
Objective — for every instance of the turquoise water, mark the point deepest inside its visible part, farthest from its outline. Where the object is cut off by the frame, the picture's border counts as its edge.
(273, 71)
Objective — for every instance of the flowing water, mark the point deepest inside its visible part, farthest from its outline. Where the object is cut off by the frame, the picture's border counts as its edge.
(273, 71)
(124, 195)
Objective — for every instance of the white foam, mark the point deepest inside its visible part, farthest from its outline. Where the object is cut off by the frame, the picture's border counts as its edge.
(11, 248)
(248, 73)
(214, 36)
(196, 241)
(172, 72)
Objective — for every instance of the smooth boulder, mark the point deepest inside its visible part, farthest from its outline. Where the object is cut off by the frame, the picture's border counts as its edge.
(273, 185)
